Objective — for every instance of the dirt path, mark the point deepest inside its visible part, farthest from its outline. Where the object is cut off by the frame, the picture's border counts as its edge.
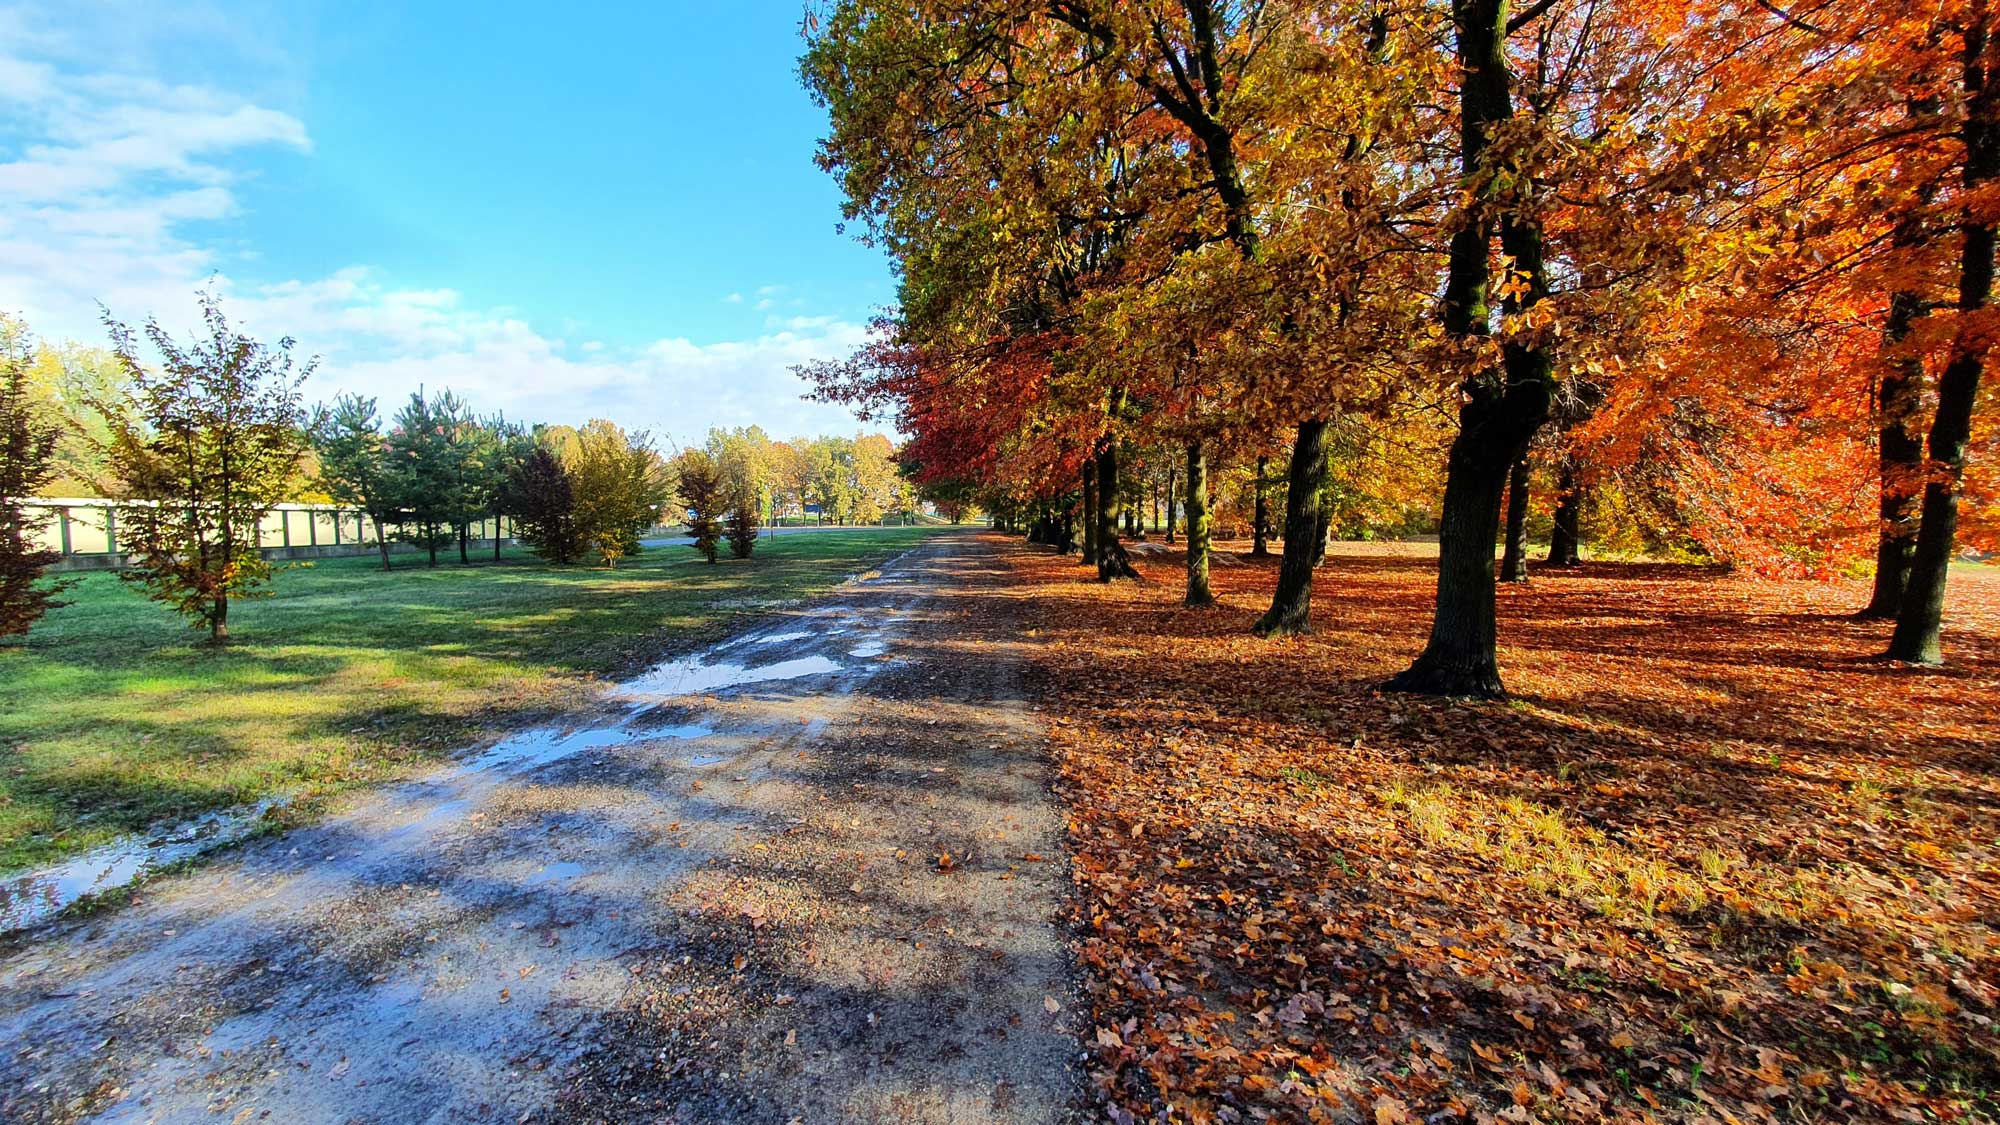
(811, 874)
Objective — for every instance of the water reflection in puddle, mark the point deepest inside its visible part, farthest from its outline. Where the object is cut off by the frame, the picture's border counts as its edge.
(695, 676)
(869, 648)
(40, 895)
(556, 871)
(539, 747)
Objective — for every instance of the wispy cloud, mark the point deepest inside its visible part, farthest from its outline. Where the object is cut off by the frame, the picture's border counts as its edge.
(105, 176)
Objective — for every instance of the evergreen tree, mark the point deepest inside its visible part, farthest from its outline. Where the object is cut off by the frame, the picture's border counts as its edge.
(425, 454)
(28, 443)
(355, 466)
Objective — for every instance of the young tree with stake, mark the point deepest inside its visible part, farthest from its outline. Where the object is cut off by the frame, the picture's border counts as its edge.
(210, 444)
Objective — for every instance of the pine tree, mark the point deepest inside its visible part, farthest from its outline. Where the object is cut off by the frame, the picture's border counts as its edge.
(27, 463)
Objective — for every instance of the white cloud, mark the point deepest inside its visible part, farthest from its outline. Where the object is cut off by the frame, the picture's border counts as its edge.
(105, 171)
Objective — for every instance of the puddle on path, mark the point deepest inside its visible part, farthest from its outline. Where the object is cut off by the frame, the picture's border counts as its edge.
(695, 676)
(538, 747)
(799, 636)
(39, 895)
(869, 648)
(555, 871)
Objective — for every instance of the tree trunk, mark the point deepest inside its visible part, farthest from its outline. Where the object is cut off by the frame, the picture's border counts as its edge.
(1172, 480)
(1089, 512)
(218, 621)
(496, 537)
(1900, 454)
(1501, 410)
(1291, 606)
(1564, 540)
(1260, 529)
(382, 541)
(1514, 557)
(1323, 530)
(1197, 528)
(464, 544)
(1112, 562)
(1921, 615)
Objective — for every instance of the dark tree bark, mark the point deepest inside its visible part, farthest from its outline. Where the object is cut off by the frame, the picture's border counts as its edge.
(1564, 540)
(1172, 480)
(1089, 512)
(1921, 615)
(1291, 606)
(1900, 453)
(1501, 409)
(1198, 593)
(1898, 408)
(1514, 557)
(1112, 561)
(1323, 532)
(464, 544)
(1260, 529)
(382, 542)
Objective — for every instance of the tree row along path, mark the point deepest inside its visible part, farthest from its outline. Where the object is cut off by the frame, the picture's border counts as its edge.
(812, 873)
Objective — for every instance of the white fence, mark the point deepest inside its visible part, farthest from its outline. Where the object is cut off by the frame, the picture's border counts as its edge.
(85, 531)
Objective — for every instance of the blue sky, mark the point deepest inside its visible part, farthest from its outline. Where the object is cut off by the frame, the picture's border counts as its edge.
(562, 213)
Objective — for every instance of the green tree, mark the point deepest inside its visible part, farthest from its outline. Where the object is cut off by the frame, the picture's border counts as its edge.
(511, 445)
(355, 466)
(28, 444)
(425, 454)
(206, 447)
(620, 484)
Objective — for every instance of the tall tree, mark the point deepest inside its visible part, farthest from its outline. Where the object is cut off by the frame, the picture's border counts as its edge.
(1919, 621)
(1504, 403)
(207, 445)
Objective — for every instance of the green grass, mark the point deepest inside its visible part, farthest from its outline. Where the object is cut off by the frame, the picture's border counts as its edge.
(114, 716)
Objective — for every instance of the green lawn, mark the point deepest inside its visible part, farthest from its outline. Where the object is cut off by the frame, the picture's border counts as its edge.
(113, 716)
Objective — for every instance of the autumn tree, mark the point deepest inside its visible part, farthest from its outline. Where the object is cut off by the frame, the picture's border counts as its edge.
(701, 493)
(619, 485)
(206, 446)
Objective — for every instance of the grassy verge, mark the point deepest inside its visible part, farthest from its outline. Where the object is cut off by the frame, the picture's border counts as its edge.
(114, 717)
